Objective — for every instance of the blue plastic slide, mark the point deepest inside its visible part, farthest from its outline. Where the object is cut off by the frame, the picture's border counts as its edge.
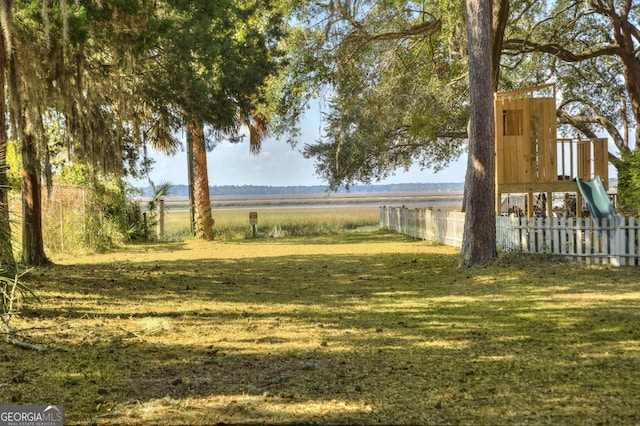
(600, 207)
(596, 198)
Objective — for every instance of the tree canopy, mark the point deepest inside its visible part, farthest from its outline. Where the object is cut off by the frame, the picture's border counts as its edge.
(209, 61)
(101, 81)
(395, 75)
(68, 68)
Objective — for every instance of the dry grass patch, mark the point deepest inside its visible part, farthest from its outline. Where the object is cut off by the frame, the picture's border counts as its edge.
(348, 329)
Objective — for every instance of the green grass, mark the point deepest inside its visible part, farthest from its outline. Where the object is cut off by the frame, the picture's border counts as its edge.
(357, 328)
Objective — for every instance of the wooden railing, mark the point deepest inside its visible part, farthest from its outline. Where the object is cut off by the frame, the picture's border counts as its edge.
(585, 158)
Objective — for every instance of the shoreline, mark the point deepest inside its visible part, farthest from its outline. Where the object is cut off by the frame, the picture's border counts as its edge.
(449, 200)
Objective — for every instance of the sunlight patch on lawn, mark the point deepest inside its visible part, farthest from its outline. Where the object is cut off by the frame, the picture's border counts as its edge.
(395, 293)
(613, 349)
(591, 296)
(453, 300)
(496, 358)
(445, 344)
(222, 409)
(201, 250)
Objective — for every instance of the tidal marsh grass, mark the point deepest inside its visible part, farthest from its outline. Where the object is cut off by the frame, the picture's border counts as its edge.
(275, 222)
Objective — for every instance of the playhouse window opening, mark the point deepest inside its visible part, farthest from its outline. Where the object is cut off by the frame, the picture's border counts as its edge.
(513, 122)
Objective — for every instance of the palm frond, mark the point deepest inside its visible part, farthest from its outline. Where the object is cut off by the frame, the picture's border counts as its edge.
(258, 126)
(160, 191)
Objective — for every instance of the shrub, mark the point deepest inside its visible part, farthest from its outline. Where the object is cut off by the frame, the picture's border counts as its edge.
(629, 183)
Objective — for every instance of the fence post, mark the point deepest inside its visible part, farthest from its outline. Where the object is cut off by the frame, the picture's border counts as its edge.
(617, 245)
(623, 240)
(568, 235)
(578, 239)
(59, 195)
(160, 225)
(145, 226)
(632, 235)
(590, 238)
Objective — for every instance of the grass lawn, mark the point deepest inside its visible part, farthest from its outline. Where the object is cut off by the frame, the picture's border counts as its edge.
(356, 328)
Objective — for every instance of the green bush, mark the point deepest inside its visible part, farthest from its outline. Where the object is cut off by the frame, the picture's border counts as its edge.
(87, 218)
(629, 183)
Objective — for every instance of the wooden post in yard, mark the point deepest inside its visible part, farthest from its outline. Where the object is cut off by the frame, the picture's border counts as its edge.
(160, 225)
(253, 221)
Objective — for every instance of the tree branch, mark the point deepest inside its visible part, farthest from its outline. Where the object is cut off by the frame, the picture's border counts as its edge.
(526, 46)
(633, 30)
(419, 29)
(581, 123)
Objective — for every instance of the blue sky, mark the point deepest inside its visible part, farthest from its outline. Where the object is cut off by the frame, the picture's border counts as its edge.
(278, 164)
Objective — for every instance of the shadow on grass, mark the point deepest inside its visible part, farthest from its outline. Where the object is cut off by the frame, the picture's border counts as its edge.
(387, 338)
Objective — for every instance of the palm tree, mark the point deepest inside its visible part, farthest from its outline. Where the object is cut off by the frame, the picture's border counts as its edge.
(202, 221)
(258, 126)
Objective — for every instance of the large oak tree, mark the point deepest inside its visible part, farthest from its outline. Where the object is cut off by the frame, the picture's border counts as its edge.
(399, 93)
(479, 244)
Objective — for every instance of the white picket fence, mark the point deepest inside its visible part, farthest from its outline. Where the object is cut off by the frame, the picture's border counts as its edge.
(425, 224)
(582, 240)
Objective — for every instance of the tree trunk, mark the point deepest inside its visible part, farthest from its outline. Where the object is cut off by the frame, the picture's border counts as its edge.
(192, 208)
(500, 17)
(632, 79)
(7, 261)
(32, 242)
(479, 242)
(203, 220)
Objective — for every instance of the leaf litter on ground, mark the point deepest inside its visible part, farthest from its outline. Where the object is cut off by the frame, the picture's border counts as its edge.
(367, 328)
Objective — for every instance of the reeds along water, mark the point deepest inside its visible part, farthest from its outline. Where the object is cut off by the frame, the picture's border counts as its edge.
(234, 224)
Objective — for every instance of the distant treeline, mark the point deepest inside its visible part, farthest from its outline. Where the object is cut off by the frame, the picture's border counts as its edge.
(183, 190)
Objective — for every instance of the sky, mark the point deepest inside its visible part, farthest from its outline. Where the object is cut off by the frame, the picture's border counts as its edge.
(278, 164)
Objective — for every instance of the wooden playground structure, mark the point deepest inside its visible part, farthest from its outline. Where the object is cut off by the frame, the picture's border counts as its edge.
(532, 159)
